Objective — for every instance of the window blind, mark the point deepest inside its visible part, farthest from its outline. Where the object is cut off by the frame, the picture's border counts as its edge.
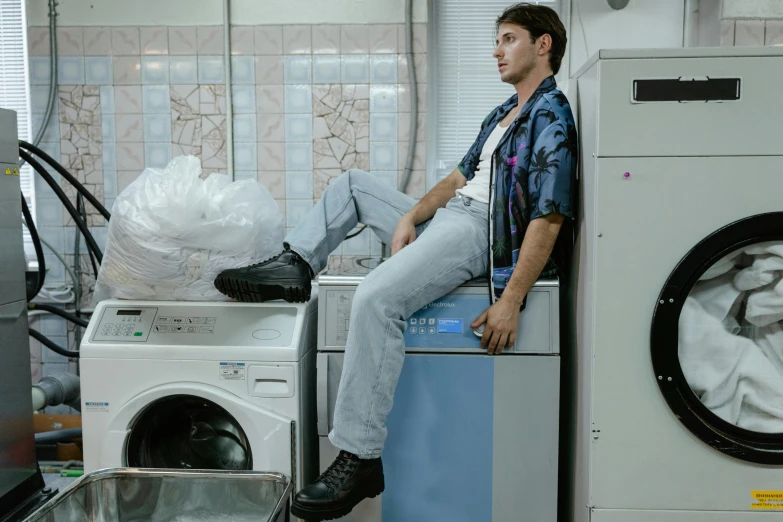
(467, 81)
(14, 92)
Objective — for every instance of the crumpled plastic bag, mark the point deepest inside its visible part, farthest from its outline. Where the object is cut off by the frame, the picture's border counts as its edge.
(171, 233)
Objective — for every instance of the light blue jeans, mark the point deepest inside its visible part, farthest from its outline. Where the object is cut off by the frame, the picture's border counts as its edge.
(450, 249)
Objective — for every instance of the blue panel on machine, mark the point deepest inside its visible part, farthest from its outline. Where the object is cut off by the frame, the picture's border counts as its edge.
(450, 326)
(439, 450)
(445, 323)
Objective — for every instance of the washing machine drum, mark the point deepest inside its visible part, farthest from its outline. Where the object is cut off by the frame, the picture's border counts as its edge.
(187, 432)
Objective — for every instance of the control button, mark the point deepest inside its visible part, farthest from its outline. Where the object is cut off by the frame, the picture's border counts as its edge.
(194, 320)
(192, 329)
(177, 320)
(479, 332)
(164, 320)
(432, 320)
(414, 320)
(207, 329)
(128, 333)
(176, 329)
(431, 330)
(422, 330)
(161, 329)
(210, 320)
(414, 330)
(138, 334)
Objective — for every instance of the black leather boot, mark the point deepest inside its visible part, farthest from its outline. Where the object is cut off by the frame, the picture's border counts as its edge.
(348, 481)
(285, 276)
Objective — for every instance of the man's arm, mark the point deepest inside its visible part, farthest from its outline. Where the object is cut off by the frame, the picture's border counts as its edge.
(437, 197)
(502, 317)
(533, 254)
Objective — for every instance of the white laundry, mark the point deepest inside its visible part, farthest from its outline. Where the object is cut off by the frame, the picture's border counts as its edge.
(765, 306)
(738, 377)
(730, 374)
(171, 233)
(722, 266)
(767, 266)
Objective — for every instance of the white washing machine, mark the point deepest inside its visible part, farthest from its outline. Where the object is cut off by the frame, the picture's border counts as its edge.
(201, 385)
(679, 414)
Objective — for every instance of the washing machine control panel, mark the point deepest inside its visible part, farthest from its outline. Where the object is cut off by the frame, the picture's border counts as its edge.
(128, 324)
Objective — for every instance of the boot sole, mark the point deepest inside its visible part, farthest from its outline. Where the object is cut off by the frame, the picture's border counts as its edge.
(331, 513)
(251, 292)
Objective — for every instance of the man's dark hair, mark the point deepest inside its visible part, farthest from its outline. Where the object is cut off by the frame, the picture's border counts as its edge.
(538, 20)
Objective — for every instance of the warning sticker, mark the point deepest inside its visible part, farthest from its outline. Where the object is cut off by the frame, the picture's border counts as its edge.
(767, 500)
(232, 371)
(96, 406)
(10, 172)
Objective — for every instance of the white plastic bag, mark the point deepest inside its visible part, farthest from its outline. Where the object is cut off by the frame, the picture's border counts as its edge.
(171, 233)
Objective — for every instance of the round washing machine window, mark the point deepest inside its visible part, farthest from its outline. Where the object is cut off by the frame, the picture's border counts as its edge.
(187, 432)
(717, 339)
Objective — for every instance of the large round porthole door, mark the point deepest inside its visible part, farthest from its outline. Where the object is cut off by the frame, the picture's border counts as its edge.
(187, 432)
(717, 340)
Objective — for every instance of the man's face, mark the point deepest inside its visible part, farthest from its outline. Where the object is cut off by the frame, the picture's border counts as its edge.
(515, 53)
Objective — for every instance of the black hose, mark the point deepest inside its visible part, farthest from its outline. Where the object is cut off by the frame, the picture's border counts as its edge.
(83, 213)
(38, 336)
(58, 435)
(66, 202)
(58, 311)
(67, 175)
(38, 248)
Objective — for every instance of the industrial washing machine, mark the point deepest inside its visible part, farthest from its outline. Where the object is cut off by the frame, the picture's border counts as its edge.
(471, 437)
(679, 301)
(201, 386)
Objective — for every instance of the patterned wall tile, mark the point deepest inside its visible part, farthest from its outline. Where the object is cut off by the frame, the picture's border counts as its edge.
(242, 40)
(38, 43)
(269, 39)
(70, 41)
(154, 40)
(125, 41)
(297, 39)
(326, 39)
(383, 39)
(341, 126)
(97, 41)
(270, 99)
(749, 33)
(127, 70)
(183, 40)
(210, 39)
(354, 39)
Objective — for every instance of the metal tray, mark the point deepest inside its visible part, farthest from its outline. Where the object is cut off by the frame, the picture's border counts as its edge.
(161, 495)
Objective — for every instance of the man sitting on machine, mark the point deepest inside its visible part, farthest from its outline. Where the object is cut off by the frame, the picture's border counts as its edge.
(505, 212)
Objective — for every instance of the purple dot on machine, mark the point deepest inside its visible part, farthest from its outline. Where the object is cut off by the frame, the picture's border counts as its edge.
(627, 175)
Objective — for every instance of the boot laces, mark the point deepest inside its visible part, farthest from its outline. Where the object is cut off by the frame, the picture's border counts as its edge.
(335, 475)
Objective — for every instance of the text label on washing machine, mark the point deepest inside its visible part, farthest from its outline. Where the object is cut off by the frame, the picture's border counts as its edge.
(232, 371)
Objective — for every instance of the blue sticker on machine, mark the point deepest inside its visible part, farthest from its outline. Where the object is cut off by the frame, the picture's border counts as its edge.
(450, 326)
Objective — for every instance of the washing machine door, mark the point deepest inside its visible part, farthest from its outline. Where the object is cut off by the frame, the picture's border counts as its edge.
(717, 340)
(188, 432)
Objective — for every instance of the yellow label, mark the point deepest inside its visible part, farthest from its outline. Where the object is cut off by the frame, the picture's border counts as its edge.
(9, 172)
(769, 500)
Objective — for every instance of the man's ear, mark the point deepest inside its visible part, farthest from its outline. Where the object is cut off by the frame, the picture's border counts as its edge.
(544, 44)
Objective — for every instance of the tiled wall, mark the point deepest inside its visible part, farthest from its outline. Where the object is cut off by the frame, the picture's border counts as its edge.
(309, 102)
(751, 32)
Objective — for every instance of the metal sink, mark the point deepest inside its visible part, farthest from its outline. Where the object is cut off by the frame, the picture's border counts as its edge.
(158, 495)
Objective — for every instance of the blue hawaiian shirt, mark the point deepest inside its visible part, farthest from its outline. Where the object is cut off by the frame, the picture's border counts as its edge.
(533, 174)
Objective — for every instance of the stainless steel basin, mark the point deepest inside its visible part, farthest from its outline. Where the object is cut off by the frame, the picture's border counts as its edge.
(158, 495)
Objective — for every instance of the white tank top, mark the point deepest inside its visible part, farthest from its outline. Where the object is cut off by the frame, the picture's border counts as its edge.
(478, 187)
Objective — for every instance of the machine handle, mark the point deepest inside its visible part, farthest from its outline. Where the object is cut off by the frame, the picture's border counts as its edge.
(322, 393)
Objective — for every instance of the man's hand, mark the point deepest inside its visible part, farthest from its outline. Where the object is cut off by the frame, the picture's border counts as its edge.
(404, 234)
(500, 330)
